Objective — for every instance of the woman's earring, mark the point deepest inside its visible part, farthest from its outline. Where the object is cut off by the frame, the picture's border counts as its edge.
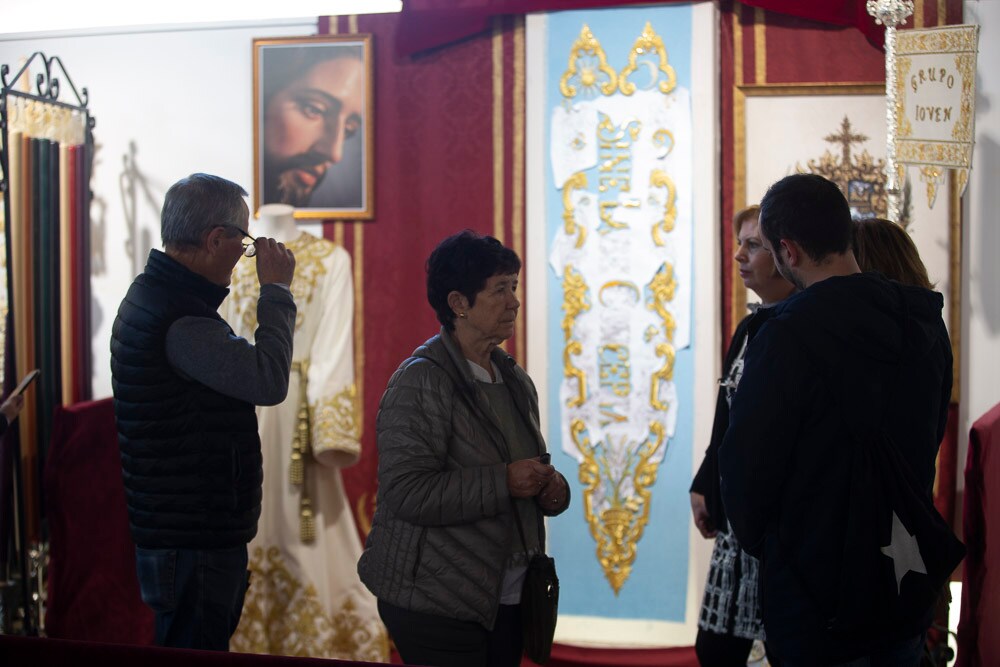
(462, 315)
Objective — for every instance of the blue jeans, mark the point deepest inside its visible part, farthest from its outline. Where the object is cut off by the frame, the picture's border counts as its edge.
(904, 653)
(196, 595)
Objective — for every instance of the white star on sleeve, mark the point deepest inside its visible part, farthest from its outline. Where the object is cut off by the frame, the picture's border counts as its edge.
(904, 552)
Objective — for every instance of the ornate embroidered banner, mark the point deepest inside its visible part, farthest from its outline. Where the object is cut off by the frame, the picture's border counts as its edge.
(936, 98)
(619, 142)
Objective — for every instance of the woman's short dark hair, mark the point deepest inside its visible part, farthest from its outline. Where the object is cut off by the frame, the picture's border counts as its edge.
(463, 263)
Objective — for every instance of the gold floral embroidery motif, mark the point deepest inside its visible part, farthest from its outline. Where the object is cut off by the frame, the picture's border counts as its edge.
(648, 44)
(575, 301)
(335, 422)
(588, 71)
(283, 616)
(309, 252)
(616, 517)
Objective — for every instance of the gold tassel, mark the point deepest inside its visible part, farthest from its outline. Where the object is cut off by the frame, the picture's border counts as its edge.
(296, 469)
(307, 522)
(301, 451)
(302, 431)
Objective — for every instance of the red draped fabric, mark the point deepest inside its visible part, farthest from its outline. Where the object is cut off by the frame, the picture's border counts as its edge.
(432, 23)
(92, 586)
(835, 12)
(979, 625)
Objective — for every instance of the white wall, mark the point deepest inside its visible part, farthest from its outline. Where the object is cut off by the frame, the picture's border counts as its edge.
(173, 102)
(980, 383)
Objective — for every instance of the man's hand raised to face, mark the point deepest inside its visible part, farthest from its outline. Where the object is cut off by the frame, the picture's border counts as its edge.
(275, 262)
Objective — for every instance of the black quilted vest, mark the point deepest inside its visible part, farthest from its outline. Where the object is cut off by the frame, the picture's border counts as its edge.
(190, 455)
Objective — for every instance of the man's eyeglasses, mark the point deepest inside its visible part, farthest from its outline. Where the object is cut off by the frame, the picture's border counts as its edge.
(249, 249)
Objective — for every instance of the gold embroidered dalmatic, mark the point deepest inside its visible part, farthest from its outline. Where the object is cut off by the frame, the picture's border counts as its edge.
(305, 598)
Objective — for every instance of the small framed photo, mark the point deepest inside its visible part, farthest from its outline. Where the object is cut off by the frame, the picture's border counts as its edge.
(313, 134)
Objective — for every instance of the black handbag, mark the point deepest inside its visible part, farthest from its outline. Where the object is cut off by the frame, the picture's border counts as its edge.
(539, 607)
(539, 601)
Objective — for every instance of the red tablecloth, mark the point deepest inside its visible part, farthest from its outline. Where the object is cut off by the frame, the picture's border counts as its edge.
(92, 586)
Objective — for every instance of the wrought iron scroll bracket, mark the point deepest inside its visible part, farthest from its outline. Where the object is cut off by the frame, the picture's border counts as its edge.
(47, 82)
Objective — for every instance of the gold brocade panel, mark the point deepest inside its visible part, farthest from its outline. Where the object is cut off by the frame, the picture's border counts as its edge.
(282, 615)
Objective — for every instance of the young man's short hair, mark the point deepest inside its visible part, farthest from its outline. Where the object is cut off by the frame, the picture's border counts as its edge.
(810, 210)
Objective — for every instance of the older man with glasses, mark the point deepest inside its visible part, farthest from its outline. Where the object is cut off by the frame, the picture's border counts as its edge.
(185, 392)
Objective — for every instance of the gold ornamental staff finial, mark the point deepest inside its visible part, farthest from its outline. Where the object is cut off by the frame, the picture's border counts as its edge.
(891, 13)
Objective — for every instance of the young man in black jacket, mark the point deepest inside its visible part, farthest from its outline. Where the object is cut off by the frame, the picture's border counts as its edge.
(850, 356)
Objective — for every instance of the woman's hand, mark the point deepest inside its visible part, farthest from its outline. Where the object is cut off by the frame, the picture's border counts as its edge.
(554, 493)
(527, 477)
(702, 519)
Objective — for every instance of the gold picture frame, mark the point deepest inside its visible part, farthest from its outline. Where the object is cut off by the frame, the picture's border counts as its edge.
(313, 125)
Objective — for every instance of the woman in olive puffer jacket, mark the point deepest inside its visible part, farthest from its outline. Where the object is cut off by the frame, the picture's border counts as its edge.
(460, 466)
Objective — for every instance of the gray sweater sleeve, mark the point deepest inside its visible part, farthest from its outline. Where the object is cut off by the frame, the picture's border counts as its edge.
(206, 350)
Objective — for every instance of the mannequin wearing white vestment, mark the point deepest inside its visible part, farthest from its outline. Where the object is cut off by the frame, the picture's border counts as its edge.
(305, 597)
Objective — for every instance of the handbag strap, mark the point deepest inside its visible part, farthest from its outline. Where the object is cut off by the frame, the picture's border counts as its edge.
(505, 455)
(520, 528)
(475, 409)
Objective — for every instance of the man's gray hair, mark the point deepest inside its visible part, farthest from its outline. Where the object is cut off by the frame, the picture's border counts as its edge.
(196, 204)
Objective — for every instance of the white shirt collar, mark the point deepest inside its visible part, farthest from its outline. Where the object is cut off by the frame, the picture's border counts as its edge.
(483, 375)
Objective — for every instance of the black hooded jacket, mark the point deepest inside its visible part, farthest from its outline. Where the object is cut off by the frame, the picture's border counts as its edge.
(849, 355)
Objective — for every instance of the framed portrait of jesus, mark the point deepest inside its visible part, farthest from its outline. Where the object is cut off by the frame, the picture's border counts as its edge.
(313, 125)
